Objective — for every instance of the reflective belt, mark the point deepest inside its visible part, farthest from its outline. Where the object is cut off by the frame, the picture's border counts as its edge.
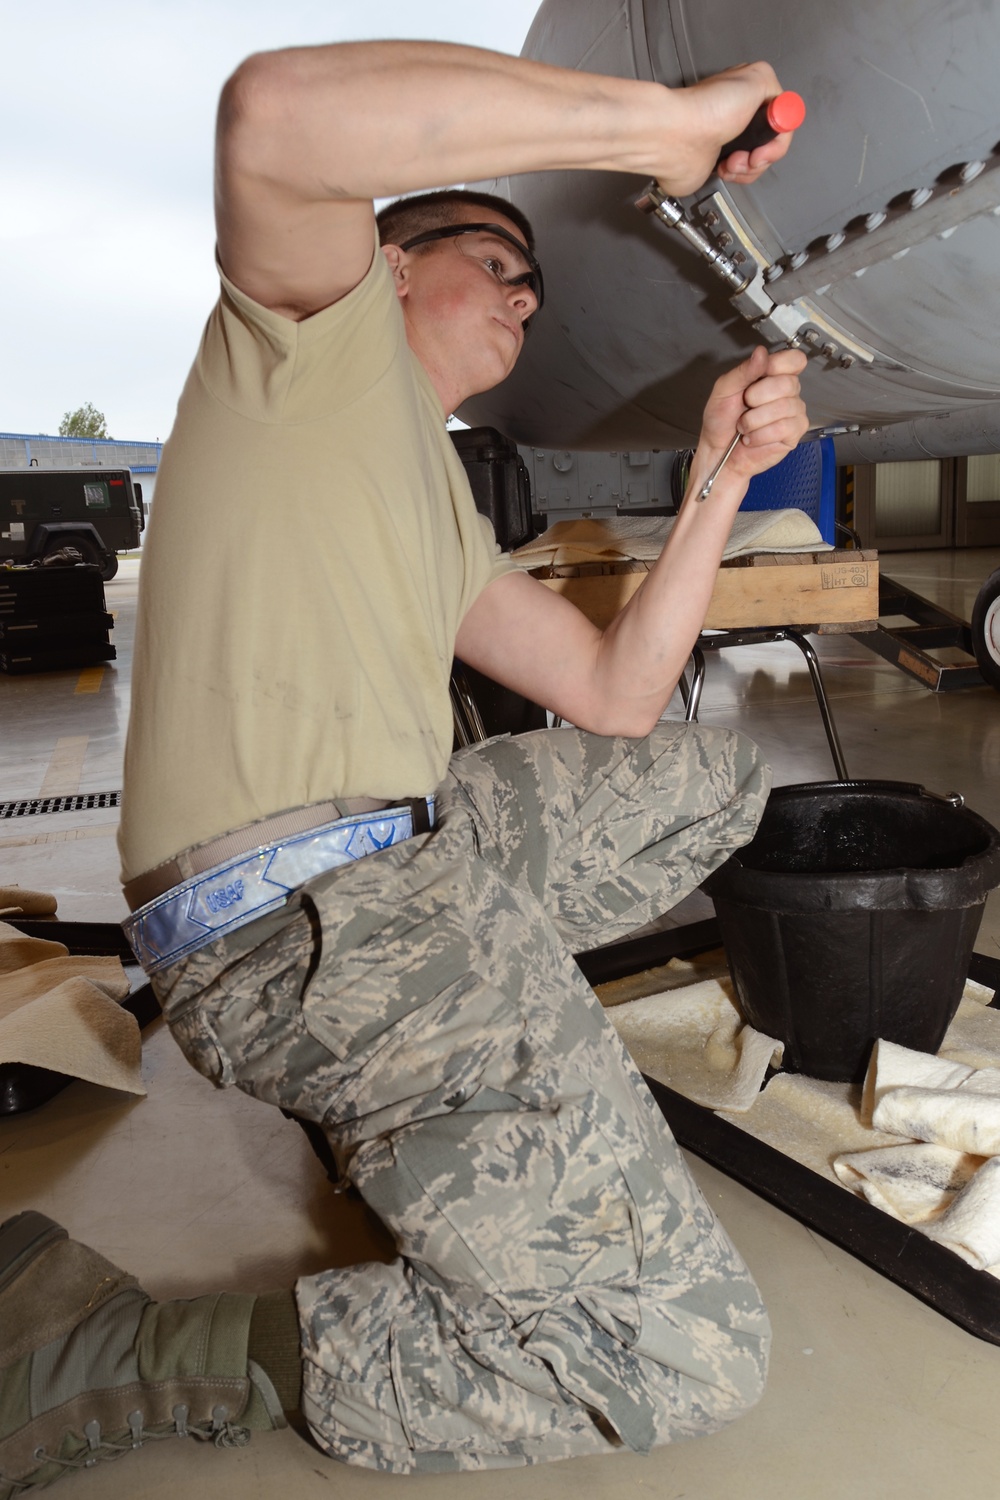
(221, 899)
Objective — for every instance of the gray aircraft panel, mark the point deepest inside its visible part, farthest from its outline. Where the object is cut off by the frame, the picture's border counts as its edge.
(878, 237)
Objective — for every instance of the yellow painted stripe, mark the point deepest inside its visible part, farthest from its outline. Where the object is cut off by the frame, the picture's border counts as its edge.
(65, 768)
(89, 680)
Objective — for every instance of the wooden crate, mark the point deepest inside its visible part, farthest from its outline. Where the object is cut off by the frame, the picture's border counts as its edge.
(827, 592)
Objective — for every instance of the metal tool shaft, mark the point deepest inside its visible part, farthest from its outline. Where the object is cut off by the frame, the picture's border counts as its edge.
(706, 488)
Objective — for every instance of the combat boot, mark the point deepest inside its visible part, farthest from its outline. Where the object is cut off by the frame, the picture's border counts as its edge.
(91, 1368)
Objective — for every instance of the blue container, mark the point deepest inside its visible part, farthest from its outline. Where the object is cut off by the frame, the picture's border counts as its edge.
(805, 480)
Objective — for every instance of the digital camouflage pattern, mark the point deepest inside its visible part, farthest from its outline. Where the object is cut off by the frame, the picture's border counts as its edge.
(562, 1287)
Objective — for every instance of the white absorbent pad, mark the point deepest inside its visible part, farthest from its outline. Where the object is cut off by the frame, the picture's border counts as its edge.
(943, 1182)
(921, 1140)
(695, 1041)
(642, 538)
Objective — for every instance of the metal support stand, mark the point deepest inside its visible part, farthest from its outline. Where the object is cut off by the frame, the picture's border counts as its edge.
(908, 646)
(721, 639)
(468, 722)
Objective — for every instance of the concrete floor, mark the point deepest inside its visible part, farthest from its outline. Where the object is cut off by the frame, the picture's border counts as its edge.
(872, 1394)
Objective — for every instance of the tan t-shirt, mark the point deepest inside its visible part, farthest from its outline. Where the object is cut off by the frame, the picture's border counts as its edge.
(313, 546)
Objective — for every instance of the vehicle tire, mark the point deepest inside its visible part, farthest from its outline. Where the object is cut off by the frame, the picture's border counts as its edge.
(86, 548)
(106, 562)
(986, 629)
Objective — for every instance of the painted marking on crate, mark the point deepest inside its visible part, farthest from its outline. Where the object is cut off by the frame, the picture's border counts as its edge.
(89, 680)
(852, 576)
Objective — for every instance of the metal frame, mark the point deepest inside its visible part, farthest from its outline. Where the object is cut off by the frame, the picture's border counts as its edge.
(722, 639)
(468, 721)
(908, 647)
(470, 729)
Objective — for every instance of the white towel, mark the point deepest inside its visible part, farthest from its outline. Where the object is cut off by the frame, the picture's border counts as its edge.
(892, 1066)
(925, 1098)
(947, 1182)
(913, 1183)
(971, 1226)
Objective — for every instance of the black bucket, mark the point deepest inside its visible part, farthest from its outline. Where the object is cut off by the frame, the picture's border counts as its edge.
(852, 915)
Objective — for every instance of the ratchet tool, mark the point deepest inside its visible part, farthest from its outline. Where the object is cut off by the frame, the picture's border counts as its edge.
(774, 117)
(706, 488)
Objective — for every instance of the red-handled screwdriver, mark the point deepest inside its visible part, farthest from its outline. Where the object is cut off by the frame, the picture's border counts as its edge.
(776, 116)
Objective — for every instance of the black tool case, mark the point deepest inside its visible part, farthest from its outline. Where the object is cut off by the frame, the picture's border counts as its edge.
(500, 484)
(26, 593)
(53, 618)
(49, 630)
(62, 659)
(501, 488)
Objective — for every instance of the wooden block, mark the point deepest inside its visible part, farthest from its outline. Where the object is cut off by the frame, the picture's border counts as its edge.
(844, 627)
(802, 588)
(826, 588)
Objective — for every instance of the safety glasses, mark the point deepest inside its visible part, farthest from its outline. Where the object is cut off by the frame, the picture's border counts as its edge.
(511, 265)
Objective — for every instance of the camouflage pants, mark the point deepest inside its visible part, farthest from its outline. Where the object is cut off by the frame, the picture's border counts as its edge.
(561, 1287)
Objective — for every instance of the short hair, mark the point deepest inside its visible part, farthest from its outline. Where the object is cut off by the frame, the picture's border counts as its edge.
(405, 218)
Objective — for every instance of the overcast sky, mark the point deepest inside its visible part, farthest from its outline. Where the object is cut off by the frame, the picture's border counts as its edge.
(106, 235)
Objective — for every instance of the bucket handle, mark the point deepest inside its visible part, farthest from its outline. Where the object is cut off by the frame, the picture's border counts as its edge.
(953, 799)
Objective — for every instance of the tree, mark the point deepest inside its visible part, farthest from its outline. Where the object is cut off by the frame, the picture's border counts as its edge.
(85, 422)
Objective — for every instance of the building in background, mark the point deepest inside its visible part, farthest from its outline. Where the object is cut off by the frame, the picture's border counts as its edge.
(20, 450)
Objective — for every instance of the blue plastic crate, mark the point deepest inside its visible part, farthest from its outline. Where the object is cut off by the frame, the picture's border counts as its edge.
(805, 480)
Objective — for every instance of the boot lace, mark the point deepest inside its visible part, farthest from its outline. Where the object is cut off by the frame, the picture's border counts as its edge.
(100, 1449)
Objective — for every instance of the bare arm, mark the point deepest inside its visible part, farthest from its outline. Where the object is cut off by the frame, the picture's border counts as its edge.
(620, 680)
(309, 136)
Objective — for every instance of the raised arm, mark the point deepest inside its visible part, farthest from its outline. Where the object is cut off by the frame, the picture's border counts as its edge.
(620, 680)
(309, 136)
